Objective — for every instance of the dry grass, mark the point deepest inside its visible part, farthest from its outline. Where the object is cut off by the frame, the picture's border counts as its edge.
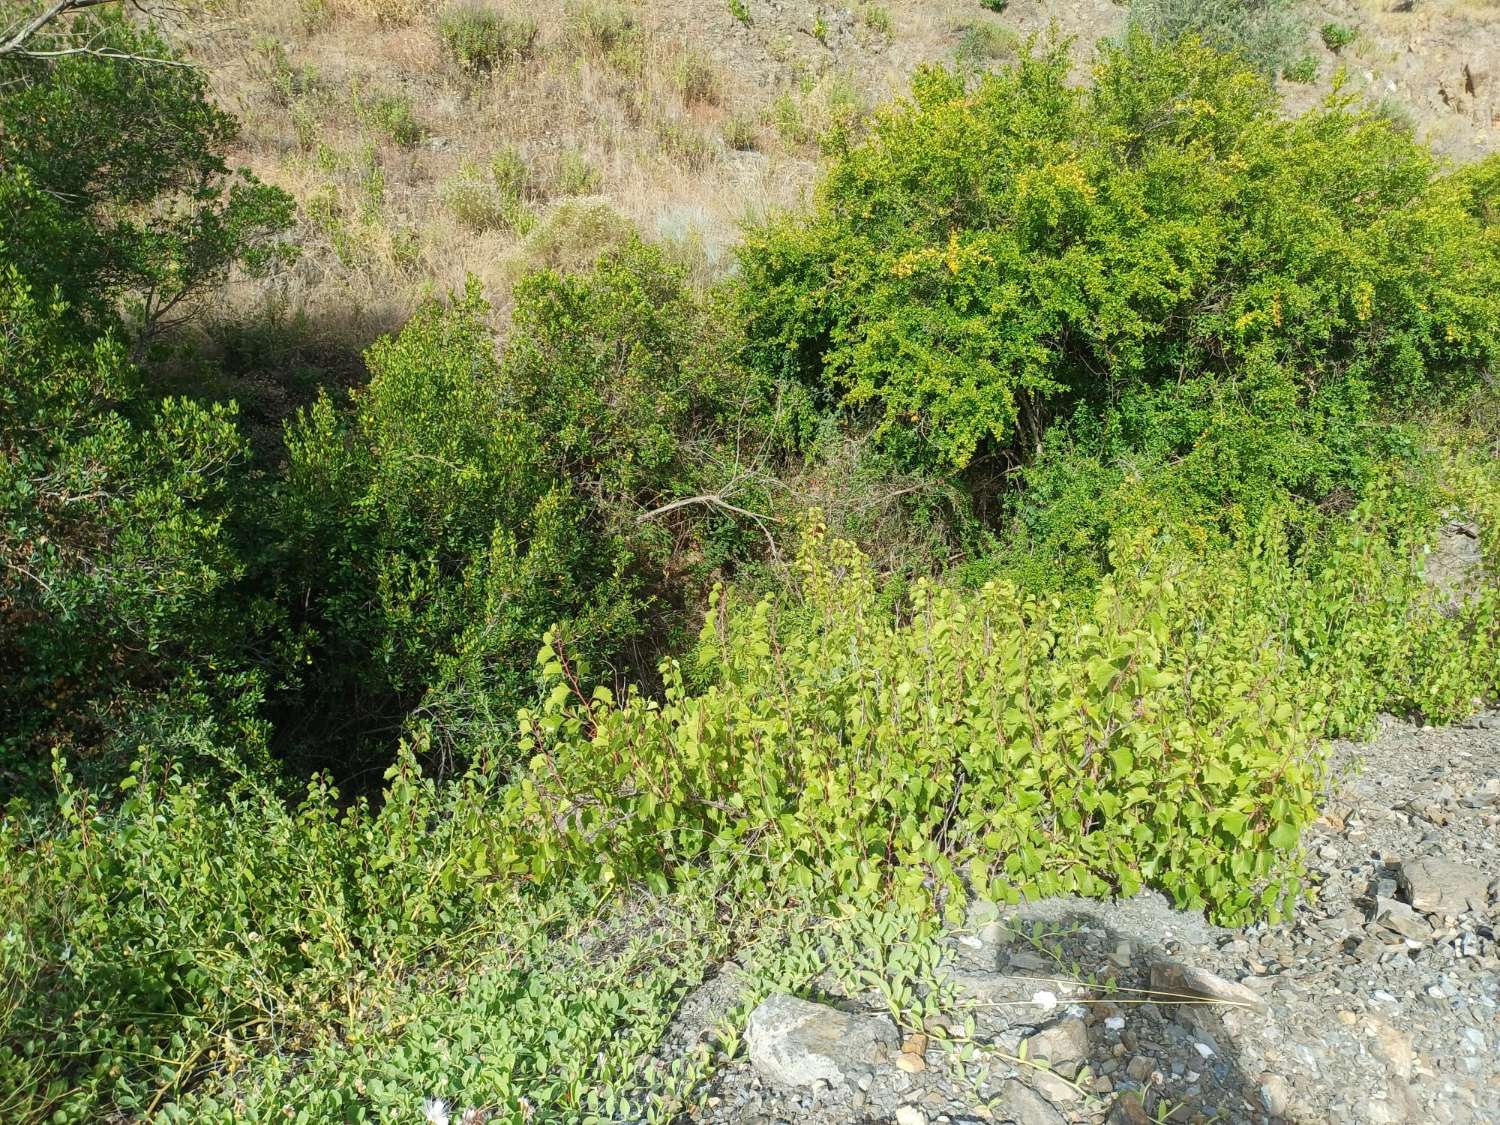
(672, 115)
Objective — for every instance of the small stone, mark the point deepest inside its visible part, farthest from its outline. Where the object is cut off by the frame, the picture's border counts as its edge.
(1055, 1087)
(1400, 919)
(1140, 1067)
(1275, 1094)
(915, 1044)
(1065, 1041)
(910, 1115)
(1392, 1045)
(1204, 1050)
(793, 1042)
(1115, 1023)
(1127, 1110)
(1348, 1018)
(1184, 983)
(910, 1063)
(1019, 1103)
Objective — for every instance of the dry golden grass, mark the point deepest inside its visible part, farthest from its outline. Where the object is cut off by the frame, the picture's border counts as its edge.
(670, 114)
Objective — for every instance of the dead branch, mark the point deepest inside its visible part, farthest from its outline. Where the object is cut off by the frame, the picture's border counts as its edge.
(15, 42)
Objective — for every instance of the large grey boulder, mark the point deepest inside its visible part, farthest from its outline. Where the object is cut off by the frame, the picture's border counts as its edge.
(794, 1042)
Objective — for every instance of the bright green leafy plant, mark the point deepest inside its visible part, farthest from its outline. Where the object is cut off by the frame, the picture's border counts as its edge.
(994, 258)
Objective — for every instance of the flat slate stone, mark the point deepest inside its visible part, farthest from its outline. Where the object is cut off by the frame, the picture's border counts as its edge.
(795, 1042)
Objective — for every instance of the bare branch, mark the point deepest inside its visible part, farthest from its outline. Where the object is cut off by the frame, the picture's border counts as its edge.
(712, 499)
(16, 44)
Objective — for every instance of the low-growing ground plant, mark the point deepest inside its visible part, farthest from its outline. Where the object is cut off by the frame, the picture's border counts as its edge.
(480, 40)
(493, 201)
(1304, 70)
(1337, 36)
(697, 79)
(983, 43)
(1266, 33)
(390, 115)
(877, 19)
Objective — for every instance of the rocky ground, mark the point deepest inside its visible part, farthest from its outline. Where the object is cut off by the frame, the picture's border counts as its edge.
(1378, 1002)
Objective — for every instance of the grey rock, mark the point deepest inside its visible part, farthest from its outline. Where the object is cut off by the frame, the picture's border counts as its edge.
(793, 1042)
(1185, 983)
(1399, 918)
(1066, 1041)
(1019, 1104)
(1442, 886)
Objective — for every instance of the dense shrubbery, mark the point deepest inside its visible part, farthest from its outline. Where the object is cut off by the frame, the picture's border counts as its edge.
(1160, 261)
(116, 560)
(113, 553)
(468, 500)
(113, 181)
(1014, 745)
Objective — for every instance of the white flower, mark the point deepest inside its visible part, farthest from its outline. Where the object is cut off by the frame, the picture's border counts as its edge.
(436, 1111)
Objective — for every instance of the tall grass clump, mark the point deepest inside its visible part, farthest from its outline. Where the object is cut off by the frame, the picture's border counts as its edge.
(480, 40)
(1267, 34)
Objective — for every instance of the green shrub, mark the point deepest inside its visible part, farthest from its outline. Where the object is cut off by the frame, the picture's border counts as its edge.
(991, 739)
(994, 5)
(493, 202)
(600, 26)
(740, 11)
(575, 174)
(390, 114)
(823, 112)
(1162, 730)
(479, 40)
(982, 43)
(1304, 70)
(1266, 33)
(740, 132)
(1337, 36)
(114, 552)
(993, 258)
(430, 539)
(877, 19)
(467, 501)
(124, 194)
(697, 79)
(572, 234)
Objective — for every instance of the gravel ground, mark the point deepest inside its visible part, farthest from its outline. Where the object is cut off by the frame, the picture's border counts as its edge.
(1378, 1002)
